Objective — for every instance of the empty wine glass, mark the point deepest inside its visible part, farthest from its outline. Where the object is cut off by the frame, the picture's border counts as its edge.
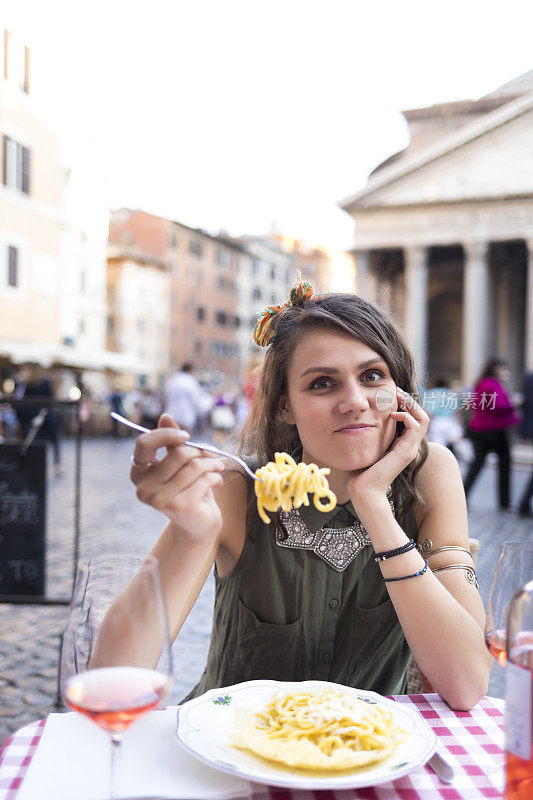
(115, 660)
(513, 569)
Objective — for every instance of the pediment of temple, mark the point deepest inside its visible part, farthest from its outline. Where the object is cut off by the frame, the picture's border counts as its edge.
(490, 158)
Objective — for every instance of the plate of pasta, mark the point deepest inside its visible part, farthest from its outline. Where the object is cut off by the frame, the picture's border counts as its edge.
(305, 735)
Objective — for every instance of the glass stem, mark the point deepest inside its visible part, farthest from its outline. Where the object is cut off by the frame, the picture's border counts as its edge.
(116, 741)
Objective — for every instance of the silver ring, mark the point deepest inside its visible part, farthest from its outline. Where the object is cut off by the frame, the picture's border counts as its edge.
(146, 463)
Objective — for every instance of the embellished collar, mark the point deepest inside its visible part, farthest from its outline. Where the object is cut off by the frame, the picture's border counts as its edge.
(307, 528)
(315, 519)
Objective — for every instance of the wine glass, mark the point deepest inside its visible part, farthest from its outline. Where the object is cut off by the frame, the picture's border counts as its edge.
(115, 659)
(513, 569)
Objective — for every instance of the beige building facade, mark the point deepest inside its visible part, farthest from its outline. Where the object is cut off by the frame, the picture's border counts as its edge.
(53, 237)
(137, 322)
(444, 234)
(30, 212)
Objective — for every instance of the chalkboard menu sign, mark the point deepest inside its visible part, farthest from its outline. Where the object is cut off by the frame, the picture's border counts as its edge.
(22, 519)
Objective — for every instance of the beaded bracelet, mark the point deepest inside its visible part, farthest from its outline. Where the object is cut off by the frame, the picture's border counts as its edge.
(405, 577)
(398, 551)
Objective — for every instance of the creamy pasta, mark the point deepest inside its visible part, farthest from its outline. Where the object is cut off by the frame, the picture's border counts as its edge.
(326, 730)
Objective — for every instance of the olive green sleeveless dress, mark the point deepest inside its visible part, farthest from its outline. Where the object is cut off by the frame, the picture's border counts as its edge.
(286, 614)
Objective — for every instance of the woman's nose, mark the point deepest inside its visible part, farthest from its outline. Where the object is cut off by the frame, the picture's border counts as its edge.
(353, 399)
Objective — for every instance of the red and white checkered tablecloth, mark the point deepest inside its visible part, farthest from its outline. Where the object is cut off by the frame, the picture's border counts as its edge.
(472, 741)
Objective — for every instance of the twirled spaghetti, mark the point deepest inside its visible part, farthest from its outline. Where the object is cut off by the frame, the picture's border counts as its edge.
(284, 484)
(326, 730)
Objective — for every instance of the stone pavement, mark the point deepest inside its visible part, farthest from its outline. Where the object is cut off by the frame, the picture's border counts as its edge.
(113, 521)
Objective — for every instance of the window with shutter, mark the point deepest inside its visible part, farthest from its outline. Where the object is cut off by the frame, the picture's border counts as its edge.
(16, 165)
(4, 160)
(12, 268)
(10, 162)
(25, 184)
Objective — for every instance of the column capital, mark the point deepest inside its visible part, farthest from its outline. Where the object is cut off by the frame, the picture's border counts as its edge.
(361, 254)
(475, 251)
(416, 255)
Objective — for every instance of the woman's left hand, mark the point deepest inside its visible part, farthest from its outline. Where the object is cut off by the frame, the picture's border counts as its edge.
(374, 481)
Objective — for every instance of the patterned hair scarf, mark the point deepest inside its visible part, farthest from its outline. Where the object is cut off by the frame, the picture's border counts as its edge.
(263, 334)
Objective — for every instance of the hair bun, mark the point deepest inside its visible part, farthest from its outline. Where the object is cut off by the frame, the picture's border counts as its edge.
(263, 333)
(301, 291)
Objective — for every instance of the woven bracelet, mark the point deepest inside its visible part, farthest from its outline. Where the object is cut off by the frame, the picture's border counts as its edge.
(405, 577)
(398, 551)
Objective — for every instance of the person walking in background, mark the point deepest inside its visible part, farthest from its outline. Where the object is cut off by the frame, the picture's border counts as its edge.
(223, 419)
(493, 415)
(524, 507)
(150, 408)
(116, 406)
(184, 399)
(35, 383)
(444, 427)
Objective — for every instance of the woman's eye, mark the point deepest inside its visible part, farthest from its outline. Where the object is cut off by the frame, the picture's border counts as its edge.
(321, 383)
(373, 375)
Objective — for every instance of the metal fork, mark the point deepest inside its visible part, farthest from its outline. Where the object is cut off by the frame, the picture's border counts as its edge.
(208, 447)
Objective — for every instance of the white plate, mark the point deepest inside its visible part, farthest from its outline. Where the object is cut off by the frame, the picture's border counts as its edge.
(205, 722)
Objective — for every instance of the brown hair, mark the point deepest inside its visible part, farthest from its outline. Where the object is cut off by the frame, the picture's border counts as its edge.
(490, 369)
(265, 432)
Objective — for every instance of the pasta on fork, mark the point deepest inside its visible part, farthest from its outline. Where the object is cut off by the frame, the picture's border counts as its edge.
(285, 484)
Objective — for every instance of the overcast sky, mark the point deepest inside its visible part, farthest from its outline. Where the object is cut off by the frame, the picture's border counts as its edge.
(234, 114)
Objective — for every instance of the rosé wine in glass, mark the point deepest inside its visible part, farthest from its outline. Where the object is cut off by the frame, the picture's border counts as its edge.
(114, 697)
(495, 641)
(513, 569)
(115, 654)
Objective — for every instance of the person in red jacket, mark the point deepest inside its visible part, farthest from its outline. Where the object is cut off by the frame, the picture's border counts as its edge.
(493, 415)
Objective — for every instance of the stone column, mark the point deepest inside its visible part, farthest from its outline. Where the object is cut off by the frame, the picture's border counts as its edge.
(475, 317)
(529, 307)
(415, 310)
(363, 276)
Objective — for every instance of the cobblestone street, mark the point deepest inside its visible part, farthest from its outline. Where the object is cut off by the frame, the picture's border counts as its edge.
(113, 521)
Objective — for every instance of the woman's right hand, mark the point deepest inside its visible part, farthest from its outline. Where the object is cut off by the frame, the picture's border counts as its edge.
(180, 485)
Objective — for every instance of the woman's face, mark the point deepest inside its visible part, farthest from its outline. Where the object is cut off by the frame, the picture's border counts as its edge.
(340, 395)
(502, 372)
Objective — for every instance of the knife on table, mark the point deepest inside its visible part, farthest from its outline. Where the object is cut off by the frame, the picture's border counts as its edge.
(442, 768)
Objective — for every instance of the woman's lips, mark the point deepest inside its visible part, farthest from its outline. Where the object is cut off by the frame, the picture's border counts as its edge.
(351, 430)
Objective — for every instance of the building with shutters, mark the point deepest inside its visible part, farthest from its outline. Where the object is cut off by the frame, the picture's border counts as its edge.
(138, 286)
(53, 237)
(30, 212)
(201, 301)
(265, 278)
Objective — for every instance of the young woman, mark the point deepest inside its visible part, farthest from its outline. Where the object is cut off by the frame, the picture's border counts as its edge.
(493, 416)
(305, 597)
